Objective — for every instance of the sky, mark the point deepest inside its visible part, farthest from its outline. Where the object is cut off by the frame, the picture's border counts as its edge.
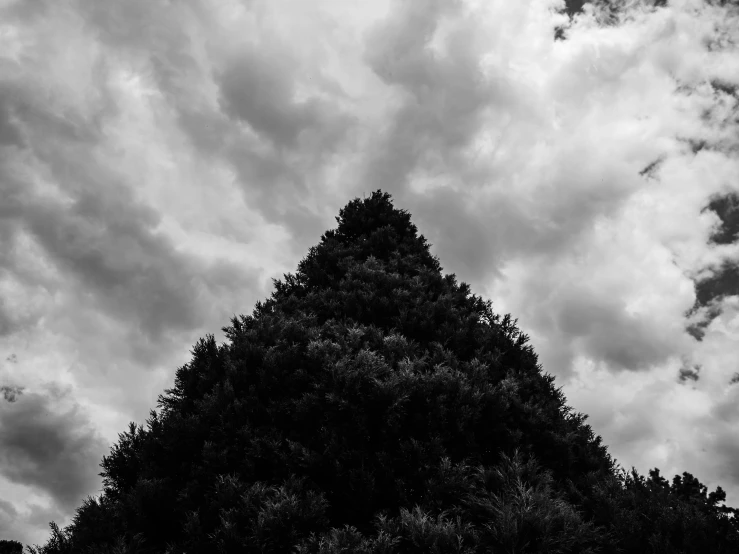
(161, 162)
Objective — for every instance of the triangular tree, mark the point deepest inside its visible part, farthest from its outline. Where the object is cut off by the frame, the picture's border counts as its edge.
(373, 404)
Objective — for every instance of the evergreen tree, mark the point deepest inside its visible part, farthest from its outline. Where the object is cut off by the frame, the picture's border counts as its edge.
(10, 547)
(374, 405)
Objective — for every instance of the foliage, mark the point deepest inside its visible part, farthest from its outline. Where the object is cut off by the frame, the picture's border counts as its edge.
(11, 547)
(373, 405)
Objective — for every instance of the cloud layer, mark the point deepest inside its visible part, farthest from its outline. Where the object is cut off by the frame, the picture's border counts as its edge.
(160, 162)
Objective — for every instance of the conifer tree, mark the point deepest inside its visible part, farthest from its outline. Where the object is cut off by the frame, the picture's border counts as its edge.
(10, 547)
(374, 405)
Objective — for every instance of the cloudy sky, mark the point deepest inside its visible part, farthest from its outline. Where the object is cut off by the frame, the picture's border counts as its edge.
(161, 161)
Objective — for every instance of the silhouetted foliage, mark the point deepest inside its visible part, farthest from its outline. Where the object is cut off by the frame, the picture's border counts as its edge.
(11, 547)
(373, 405)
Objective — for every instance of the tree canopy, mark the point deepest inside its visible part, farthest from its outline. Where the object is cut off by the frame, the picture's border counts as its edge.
(374, 405)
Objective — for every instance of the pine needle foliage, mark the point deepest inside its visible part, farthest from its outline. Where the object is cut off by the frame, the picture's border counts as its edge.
(374, 405)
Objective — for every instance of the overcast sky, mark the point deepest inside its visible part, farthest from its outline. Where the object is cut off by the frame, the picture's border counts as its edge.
(161, 161)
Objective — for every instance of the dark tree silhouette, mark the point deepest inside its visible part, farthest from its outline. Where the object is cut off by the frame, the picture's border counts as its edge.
(11, 547)
(371, 405)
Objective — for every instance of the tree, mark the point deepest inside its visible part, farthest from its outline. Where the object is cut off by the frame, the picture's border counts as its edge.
(372, 404)
(10, 547)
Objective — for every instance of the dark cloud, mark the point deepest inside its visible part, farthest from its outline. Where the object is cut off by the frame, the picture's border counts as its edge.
(288, 143)
(574, 7)
(33, 528)
(11, 393)
(208, 130)
(41, 516)
(599, 327)
(474, 249)
(649, 171)
(257, 90)
(136, 24)
(96, 232)
(625, 343)
(8, 325)
(442, 95)
(28, 11)
(10, 135)
(278, 144)
(107, 242)
(699, 318)
(726, 207)
(9, 522)
(8, 508)
(48, 443)
(713, 285)
(691, 373)
(99, 234)
(278, 190)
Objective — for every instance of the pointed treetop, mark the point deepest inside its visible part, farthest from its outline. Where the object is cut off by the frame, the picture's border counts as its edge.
(365, 216)
(368, 228)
